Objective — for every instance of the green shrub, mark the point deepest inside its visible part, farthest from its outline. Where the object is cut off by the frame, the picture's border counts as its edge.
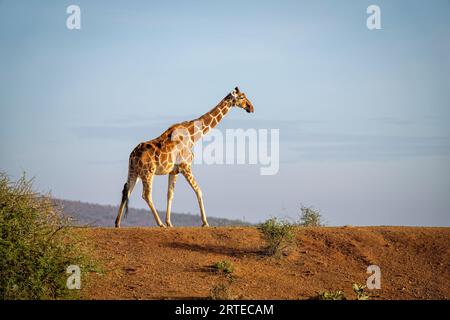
(278, 235)
(36, 246)
(224, 266)
(359, 291)
(331, 295)
(310, 217)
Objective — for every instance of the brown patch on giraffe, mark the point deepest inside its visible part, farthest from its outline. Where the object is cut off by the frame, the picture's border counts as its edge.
(163, 158)
(207, 119)
(215, 113)
(158, 144)
(192, 129)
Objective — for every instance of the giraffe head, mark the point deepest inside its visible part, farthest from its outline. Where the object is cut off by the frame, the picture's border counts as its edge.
(238, 99)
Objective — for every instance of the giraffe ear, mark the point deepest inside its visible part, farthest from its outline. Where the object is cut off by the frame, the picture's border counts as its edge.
(234, 93)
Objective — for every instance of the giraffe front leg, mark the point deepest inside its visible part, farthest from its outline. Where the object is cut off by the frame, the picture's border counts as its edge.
(147, 195)
(170, 190)
(187, 173)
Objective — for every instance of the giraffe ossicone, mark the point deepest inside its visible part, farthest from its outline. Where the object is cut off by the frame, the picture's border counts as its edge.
(171, 154)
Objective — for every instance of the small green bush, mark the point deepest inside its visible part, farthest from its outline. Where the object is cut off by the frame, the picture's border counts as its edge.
(224, 266)
(310, 217)
(331, 295)
(278, 235)
(36, 246)
(359, 291)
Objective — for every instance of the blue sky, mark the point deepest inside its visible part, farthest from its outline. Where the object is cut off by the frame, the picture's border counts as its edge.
(363, 115)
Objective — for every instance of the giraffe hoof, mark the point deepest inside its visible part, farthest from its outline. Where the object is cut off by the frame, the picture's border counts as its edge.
(205, 224)
(162, 225)
(169, 225)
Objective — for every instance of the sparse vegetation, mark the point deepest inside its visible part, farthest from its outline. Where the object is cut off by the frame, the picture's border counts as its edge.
(36, 245)
(359, 291)
(310, 217)
(279, 235)
(224, 266)
(331, 295)
(191, 252)
(221, 291)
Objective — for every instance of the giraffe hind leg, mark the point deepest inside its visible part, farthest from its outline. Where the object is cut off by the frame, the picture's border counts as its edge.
(127, 189)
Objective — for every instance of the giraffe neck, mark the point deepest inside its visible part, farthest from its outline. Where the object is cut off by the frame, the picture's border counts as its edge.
(210, 119)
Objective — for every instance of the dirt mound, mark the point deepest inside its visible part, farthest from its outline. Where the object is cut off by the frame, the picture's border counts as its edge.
(153, 263)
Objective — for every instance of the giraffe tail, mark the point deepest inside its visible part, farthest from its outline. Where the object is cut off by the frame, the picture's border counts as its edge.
(125, 198)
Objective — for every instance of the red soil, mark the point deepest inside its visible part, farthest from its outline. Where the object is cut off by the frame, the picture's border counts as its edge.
(153, 263)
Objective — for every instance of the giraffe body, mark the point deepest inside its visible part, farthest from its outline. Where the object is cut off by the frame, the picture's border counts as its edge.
(171, 154)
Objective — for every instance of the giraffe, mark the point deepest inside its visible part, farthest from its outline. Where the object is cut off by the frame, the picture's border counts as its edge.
(171, 154)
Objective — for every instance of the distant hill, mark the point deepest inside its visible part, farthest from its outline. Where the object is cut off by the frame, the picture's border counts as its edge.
(104, 216)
